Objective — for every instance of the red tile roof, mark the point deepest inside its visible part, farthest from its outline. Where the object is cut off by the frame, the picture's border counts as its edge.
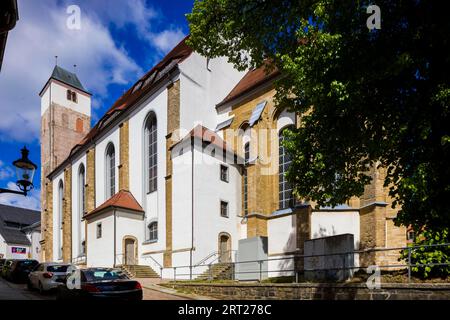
(122, 199)
(250, 81)
(178, 54)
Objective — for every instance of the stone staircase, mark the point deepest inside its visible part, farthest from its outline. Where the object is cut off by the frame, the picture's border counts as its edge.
(139, 271)
(219, 271)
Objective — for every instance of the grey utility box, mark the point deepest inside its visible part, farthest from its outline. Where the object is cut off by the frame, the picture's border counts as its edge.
(325, 265)
(252, 250)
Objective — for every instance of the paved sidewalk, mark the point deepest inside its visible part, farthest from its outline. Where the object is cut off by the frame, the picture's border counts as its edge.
(153, 291)
(13, 291)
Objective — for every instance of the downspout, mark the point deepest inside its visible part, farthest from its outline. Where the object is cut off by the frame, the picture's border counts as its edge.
(192, 206)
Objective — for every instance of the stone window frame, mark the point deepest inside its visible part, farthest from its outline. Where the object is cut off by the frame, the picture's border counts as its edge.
(60, 217)
(224, 204)
(285, 190)
(152, 228)
(81, 206)
(110, 171)
(98, 230)
(151, 152)
(224, 173)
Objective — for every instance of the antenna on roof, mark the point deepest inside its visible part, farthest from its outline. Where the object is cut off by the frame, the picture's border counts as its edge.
(56, 60)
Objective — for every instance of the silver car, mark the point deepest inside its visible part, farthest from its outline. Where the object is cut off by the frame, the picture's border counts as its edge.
(47, 276)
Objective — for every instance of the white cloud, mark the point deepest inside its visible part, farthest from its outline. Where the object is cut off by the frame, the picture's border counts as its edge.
(167, 39)
(31, 201)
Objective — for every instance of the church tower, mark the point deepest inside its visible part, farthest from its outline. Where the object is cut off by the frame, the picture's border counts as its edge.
(65, 120)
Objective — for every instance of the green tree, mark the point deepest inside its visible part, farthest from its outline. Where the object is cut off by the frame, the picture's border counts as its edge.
(368, 97)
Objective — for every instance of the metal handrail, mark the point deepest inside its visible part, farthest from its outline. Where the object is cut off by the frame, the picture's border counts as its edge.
(294, 256)
(212, 254)
(154, 260)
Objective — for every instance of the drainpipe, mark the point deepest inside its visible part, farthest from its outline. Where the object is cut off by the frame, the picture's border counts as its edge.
(192, 207)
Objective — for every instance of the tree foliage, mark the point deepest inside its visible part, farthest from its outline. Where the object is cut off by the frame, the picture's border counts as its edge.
(368, 97)
(432, 261)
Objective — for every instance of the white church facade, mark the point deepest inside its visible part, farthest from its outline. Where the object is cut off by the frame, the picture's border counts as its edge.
(174, 173)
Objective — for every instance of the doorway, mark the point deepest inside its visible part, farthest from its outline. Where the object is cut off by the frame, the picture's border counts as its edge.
(224, 248)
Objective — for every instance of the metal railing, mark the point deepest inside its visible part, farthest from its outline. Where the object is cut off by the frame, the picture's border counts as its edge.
(341, 265)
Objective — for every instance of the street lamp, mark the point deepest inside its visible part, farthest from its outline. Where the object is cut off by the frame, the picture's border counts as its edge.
(25, 171)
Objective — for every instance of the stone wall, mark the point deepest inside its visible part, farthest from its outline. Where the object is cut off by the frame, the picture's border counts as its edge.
(124, 166)
(316, 291)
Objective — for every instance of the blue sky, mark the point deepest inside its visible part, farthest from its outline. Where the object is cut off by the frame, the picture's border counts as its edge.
(119, 40)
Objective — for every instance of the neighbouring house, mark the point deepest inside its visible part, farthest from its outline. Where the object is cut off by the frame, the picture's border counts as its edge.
(19, 233)
(182, 169)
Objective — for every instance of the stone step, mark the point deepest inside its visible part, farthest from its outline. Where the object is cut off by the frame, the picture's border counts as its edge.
(139, 271)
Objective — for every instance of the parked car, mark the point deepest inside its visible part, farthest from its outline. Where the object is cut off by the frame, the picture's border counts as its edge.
(102, 283)
(20, 269)
(47, 276)
(6, 268)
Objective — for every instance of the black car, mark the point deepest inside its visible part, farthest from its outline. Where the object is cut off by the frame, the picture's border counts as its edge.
(20, 269)
(100, 283)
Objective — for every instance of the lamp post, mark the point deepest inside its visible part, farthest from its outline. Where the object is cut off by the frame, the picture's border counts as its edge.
(25, 171)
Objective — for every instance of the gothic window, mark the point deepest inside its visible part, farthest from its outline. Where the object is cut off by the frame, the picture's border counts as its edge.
(151, 153)
(246, 160)
(110, 171)
(81, 205)
(286, 197)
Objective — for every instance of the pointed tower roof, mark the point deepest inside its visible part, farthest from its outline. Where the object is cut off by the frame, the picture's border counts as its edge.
(66, 77)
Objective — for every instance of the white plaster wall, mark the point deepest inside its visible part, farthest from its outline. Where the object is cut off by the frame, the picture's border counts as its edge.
(57, 240)
(100, 252)
(282, 234)
(58, 94)
(128, 224)
(331, 223)
(153, 203)
(209, 190)
(35, 249)
(282, 238)
(78, 228)
(2, 247)
(201, 89)
(100, 164)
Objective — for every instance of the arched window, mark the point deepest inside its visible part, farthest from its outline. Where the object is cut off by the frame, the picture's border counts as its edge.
(60, 217)
(110, 171)
(246, 160)
(153, 231)
(81, 206)
(151, 153)
(286, 197)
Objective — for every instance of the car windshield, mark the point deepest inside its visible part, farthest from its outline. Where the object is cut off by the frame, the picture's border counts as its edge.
(99, 275)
